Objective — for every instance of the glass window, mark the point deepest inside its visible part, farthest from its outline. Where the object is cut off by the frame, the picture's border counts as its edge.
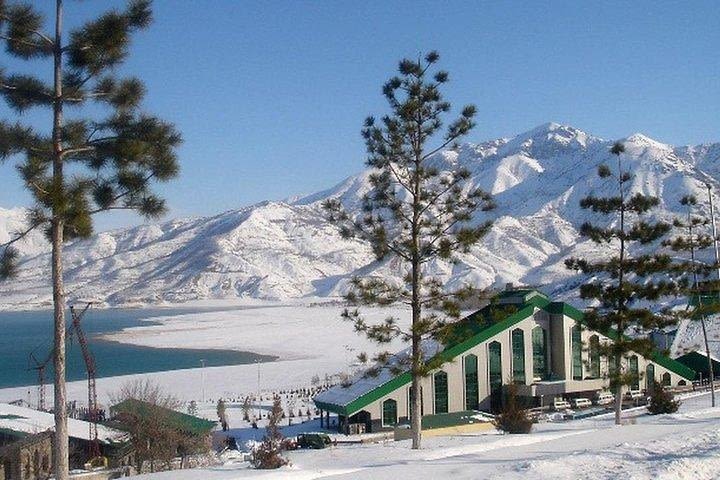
(518, 351)
(595, 356)
(634, 372)
(539, 346)
(649, 377)
(389, 417)
(577, 366)
(666, 379)
(495, 366)
(422, 402)
(441, 392)
(472, 390)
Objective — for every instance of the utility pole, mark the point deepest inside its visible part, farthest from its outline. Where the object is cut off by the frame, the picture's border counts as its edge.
(717, 264)
(714, 228)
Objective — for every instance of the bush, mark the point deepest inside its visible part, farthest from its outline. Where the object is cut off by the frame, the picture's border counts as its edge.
(267, 455)
(662, 401)
(512, 417)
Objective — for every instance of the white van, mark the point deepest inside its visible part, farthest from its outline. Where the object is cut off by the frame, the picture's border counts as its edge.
(604, 398)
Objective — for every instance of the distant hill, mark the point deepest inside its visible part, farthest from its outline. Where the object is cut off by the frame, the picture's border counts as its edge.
(278, 250)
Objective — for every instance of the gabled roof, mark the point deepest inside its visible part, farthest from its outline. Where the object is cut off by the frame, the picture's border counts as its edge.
(21, 421)
(177, 420)
(500, 315)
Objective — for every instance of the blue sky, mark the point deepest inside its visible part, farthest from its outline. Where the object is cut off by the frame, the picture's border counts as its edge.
(270, 96)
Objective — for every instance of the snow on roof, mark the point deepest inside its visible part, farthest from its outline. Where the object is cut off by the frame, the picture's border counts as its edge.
(362, 383)
(703, 353)
(29, 421)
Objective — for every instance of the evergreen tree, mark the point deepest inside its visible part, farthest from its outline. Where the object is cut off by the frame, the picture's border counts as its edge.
(662, 401)
(418, 210)
(222, 414)
(700, 290)
(623, 284)
(80, 165)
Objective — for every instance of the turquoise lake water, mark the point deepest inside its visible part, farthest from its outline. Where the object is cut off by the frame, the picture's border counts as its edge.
(24, 332)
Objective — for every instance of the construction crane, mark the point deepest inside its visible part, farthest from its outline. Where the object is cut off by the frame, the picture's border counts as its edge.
(93, 411)
(40, 367)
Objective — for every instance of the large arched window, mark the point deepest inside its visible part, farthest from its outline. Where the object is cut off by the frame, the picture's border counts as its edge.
(594, 351)
(472, 390)
(539, 347)
(495, 366)
(649, 377)
(518, 356)
(441, 392)
(634, 372)
(422, 402)
(577, 366)
(666, 379)
(389, 413)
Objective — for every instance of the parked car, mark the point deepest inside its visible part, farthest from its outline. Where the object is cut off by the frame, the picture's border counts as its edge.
(581, 402)
(604, 398)
(633, 394)
(313, 440)
(560, 403)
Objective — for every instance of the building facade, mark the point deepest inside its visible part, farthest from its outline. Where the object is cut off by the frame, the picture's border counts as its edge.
(522, 338)
(27, 459)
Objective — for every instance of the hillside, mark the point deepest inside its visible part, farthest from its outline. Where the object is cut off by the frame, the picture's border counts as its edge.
(280, 250)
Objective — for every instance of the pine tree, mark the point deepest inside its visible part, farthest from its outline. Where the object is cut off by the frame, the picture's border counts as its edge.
(81, 165)
(696, 287)
(662, 401)
(267, 455)
(418, 210)
(222, 414)
(623, 284)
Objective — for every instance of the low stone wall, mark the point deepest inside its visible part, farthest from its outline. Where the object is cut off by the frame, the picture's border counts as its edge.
(406, 433)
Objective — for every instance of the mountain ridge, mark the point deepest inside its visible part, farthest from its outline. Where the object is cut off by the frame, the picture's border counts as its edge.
(285, 249)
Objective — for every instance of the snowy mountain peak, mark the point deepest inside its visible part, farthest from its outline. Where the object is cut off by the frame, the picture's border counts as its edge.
(278, 250)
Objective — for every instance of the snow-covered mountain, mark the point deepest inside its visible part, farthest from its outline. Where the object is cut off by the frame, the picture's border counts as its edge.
(278, 250)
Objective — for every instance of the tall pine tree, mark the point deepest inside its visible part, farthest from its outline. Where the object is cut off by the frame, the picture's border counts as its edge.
(97, 152)
(417, 211)
(623, 285)
(694, 275)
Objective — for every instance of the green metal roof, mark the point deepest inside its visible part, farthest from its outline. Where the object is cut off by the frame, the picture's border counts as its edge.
(482, 325)
(178, 420)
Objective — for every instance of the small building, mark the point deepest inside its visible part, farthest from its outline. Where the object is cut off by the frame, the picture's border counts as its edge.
(18, 423)
(29, 458)
(522, 337)
(197, 429)
(698, 361)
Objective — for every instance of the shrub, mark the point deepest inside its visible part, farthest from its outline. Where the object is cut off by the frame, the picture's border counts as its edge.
(662, 401)
(512, 417)
(267, 455)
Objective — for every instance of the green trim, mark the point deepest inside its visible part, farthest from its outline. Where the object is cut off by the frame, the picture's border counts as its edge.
(476, 320)
(662, 360)
(178, 420)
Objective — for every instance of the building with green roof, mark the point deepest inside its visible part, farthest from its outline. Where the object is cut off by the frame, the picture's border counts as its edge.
(521, 337)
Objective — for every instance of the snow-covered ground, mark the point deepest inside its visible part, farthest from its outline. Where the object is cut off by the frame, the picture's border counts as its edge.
(678, 446)
(308, 339)
(286, 249)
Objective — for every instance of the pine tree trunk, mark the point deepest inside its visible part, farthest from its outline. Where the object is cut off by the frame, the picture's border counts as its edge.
(416, 410)
(618, 391)
(60, 445)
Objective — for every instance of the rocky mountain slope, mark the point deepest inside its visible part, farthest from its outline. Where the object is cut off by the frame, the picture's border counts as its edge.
(278, 250)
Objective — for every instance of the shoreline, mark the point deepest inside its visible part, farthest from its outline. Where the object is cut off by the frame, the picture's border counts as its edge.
(304, 340)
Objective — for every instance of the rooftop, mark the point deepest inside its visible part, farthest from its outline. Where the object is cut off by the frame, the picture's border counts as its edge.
(179, 420)
(26, 421)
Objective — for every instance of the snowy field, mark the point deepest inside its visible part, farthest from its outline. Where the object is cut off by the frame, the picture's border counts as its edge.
(679, 446)
(314, 340)
(308, 339)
